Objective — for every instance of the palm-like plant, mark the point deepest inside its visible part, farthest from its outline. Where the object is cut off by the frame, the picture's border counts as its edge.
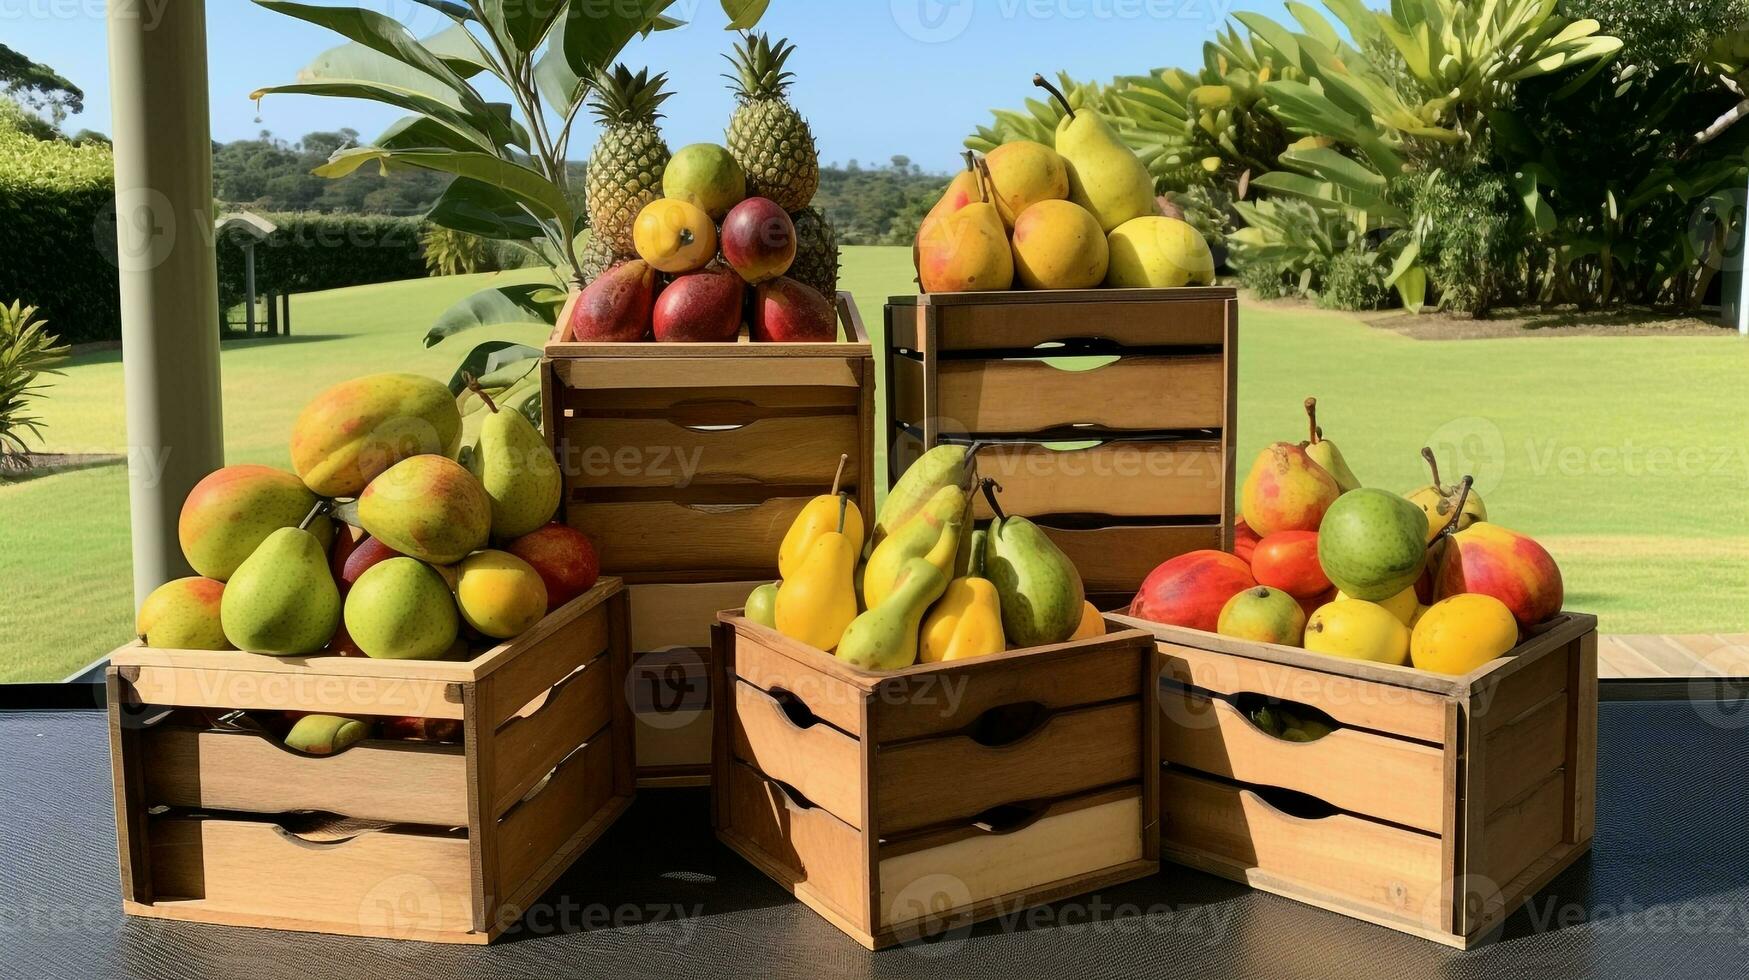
(27, 352)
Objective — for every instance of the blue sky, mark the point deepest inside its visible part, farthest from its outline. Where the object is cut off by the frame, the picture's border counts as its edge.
(876, 77)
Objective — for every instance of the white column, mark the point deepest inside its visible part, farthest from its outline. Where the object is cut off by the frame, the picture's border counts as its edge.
(169, 287)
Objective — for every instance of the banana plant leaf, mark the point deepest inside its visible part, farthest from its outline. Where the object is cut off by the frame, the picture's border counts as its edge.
(524, 22)
(524, 185)
(521, 304)
(478, 208)
(385, 36)
(475, 130)
(744, 14)
(595, 33)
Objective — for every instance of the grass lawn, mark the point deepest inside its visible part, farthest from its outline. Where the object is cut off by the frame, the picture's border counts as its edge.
(1623, 455)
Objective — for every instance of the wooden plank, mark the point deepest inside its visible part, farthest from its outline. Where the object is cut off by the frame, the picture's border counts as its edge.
(537, 828)
(757, 369)
(309, 692)
(530, 744)
(668, 615)
(397, 782)
(1134, 393)
(1115, 479)
(1229, 422)
(128, 780)
(545, 662)
(790, 450)
(806, 850)
(482, 759)
(301, 670)
(762, 663)
(1179, 294)
(940, 780)
(560, 619)
(1496, 705)
(1523, 752)
(820, 762)
(1353, 702)
(1120, 557)
(1011, 326)
(1522, 831)
(1581, 820)
(1373, 775)
(738, 540)
(380, 884)
(950, 700)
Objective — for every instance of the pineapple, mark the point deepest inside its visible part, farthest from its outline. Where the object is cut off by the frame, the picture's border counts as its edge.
(767, 136)
(625, 171)
(816, 261)
(599, 256)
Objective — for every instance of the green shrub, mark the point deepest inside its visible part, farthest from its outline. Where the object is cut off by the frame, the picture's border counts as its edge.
(57, 253)
(1269, 279)
(1355, 280)
(27, 351)
(1473, 235)
(456, 253)
(312, 251)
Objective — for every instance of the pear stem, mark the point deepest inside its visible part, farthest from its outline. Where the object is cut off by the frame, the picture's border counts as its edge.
(843, 507)
(986, 195)
(1040, 81)
(1458, 511)
(322, 507)
(838, 477)
(473, 384)
(1312, 419)
(991, 488)
(1433, 464)
(971, 161)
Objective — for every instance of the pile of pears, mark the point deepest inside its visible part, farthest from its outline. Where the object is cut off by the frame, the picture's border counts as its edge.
(413, 574)
(1080, 215)
(927, 585)
(1319, 561)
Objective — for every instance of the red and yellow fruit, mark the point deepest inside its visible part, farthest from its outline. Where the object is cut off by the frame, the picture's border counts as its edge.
(1286, 491)
(616, 307)
(1191, 589)
(565, 559)
(499, 594)
(229, 513)
(357, 429)
(1358, 630)
(428, 507)
(1288, 560)
(1491, 560)
(1459, 634)
(786, 311)
(183, 615)
(1263, 615)
(674, 236)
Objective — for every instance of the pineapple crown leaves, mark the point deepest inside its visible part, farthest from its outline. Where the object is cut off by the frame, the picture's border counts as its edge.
(622, 98)
(759, 71)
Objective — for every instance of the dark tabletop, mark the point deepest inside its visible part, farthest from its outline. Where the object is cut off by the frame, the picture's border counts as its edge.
(1665, 892)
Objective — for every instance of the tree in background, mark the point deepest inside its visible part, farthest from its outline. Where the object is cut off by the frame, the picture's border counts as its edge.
(38, 87)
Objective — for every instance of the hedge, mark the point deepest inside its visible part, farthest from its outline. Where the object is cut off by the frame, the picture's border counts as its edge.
(311, 251)
(57, 234)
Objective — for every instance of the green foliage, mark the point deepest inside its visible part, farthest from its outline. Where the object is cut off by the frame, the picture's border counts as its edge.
(456, 253)
(877, 205)
(311, 251)
(1288, 240)
(38, 86)
(1471, 231)
(1662, 32)
(57, 205)
(27, 352)
(1355, 280)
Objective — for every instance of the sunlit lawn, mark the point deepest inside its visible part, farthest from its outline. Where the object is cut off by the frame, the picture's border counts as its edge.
(1625, 456)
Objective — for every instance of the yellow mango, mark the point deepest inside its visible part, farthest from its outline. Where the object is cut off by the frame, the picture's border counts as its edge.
(965, 622)
(1459, 634)
(1358, 630)
(1092, 622)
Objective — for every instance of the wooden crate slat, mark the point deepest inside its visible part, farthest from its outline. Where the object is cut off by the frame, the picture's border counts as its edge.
(796, 450)
(530, 745)
(1114, 479)
(541, 824)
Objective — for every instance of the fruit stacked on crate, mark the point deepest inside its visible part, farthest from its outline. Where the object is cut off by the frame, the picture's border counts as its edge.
(381, 544)
(1080, 215)
(689, 246)
(925, 586)
(1321, 562)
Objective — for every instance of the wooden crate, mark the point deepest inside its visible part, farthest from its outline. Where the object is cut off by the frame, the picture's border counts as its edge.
(903, 803)
(685, 464)
(1124, 464)
(392, 839)
(1436, 807)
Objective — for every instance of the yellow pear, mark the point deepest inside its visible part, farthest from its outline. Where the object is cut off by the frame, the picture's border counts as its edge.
(966, 251)
(1022, 174)
(820, 516)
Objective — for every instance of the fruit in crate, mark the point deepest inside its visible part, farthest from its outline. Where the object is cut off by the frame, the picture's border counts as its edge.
(1490, 560)
(616, 306)
(707, 177)
(933, 534)
(767, 136)
(326, 734)
(816, 264)
(822, 515)
(1317, 602)
(1358, 630)
(1092, 623)
(353, 552)
(1191, 589)
(421, 729)
(598, 256)
(886, 636)
(1459, 634)
(759, 240)
(674, 236)
(1024, 173)
(516, 469)
(1244, 540)
(1105, 175)
(702, 306)
(968, 250)
(762, 604)
(967, 620)
(1288, 560)
(349, 434)
(402, 609)
(1264, 615)
(428, 507)
(1286, 491)
(965, 189)
(946, 465)
(283, 600)
(499, 594)
(183, 615)
(1154, 252)
(1040, 588)
(817, 601)
(630, 158)
(232, 510)
(1372, 544)
(1324, 452)
(1404, 605)
(1058, 245)
(565, 559)
(1440, 501)
(785, 311)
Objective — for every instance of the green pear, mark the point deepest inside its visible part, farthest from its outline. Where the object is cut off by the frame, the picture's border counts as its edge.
(1105, 175)
(516, 466)
(1040, 588)
(885, 637)
(762, 605)
(402, 609)
(1372, 544)
(932, 533)
(282, 599)
(946, 465)
(326, 734)
(1324, 452)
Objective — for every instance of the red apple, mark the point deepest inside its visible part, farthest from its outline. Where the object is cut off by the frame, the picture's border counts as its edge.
(700, 306)
(1191, 589)
(342, 645)
(565, 559)
(759, 240)
(1314, 603)
(1244, 539)
(616, 306)
(350, 561)
(1490, 560)
(1288, 560)
(787, 311)
(420, 729)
